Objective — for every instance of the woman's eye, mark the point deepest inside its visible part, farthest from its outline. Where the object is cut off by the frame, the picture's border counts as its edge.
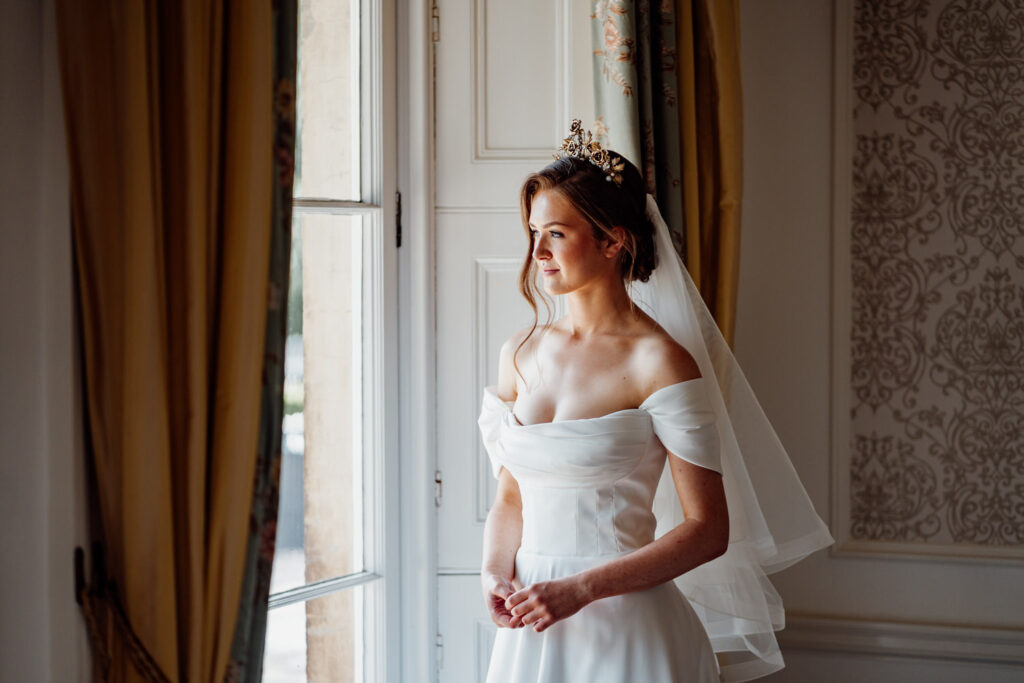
(555, 233)
(533, 234)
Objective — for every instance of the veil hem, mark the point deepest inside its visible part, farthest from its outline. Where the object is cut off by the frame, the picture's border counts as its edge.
(772, 522)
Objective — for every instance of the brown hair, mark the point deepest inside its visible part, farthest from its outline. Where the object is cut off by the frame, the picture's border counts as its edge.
(605, 205)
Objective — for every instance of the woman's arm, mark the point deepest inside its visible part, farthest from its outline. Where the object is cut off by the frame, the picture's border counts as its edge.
(503, 531)
(701, 538)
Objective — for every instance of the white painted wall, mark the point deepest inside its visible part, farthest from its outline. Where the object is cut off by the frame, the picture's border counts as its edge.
(783, 345)
(41, 633)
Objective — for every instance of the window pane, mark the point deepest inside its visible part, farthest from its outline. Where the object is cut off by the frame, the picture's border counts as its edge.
(319, 533)
(327, 149)
(320, 641)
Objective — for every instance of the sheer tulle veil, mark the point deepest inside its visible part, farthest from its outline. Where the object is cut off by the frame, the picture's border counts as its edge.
(772, 521)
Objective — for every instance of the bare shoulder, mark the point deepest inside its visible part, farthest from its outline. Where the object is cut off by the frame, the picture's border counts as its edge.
(659, 361)
(507, 361)
(522, 341)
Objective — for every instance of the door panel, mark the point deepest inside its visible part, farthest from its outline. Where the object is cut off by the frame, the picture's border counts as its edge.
(479, 307)
(508, 79)
(467, 632)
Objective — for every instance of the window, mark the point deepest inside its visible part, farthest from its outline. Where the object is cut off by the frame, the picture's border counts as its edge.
(330, 583)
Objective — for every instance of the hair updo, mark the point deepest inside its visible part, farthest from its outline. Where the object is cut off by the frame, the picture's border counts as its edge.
(605, 205)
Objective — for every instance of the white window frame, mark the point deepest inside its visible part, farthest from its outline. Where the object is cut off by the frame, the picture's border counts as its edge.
(420, 653)
(381, 577)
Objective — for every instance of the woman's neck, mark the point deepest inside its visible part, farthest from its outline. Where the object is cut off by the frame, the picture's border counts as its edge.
(599, 308)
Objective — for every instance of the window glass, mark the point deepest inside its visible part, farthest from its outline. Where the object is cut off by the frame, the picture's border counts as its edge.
(316, 641)
(327, 158)
(319, 531)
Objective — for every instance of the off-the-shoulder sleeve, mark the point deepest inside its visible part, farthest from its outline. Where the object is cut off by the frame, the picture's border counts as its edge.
(492, 413)
(684, 421)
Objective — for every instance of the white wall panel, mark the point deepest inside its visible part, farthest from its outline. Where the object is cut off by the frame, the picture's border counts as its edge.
(510, 77)
(468, 633)
(496, 319)
(522, 51)
(480, 308)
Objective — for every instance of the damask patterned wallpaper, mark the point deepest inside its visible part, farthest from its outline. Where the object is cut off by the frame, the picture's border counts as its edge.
(937, 256)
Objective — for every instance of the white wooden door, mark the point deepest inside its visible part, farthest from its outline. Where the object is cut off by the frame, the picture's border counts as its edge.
(509, 78)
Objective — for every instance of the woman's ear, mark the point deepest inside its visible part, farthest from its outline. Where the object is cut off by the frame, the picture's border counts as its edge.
(614, 242)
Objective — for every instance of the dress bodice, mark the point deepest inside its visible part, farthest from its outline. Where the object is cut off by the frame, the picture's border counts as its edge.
(588, 484)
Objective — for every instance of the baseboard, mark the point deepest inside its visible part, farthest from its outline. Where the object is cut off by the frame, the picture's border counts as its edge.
(887, 638)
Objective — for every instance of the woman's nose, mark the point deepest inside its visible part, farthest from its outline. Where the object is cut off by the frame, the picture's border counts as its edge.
(540, 249)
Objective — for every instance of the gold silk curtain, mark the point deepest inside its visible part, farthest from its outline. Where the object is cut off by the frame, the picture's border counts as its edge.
(668, 97)
(177, 173)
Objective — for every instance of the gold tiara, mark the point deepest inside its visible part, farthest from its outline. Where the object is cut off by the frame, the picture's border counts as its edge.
(582, 145)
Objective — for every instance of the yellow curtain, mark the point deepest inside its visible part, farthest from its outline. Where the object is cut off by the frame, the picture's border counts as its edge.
(711, 140)
(168, 109)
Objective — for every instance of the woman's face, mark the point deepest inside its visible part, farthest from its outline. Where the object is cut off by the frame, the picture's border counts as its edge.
(564, 248)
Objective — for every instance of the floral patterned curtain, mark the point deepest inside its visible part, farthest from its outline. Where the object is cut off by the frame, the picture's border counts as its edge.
(668, 97)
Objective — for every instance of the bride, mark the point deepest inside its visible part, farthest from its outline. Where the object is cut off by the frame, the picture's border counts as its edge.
(586, 413)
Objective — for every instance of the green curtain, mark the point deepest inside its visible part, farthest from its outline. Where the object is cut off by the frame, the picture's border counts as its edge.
(668, 97)
(179, 120)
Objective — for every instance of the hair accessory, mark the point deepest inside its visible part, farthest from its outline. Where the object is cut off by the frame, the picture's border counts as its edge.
(582, 145)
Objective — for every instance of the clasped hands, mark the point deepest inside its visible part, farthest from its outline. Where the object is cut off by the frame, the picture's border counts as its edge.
(540, 605)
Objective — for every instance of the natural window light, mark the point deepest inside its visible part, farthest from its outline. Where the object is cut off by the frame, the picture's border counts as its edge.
(325, 588)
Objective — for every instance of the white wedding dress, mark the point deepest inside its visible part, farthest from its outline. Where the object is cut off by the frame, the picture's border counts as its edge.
(587, 489)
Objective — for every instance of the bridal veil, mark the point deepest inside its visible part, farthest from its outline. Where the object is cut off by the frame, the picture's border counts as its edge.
(772, 522)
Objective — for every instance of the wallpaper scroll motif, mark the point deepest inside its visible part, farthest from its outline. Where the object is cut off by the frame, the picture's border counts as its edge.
(937, 261)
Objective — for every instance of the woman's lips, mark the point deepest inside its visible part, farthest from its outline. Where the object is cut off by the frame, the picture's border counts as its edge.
(549, 271)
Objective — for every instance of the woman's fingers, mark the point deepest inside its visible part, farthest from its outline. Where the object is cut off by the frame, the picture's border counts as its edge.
(497, 590)
(533, 616)
(544, 603)
(499, 614)
(539, 619)
(523, 610)
(530, 612)
(522, 602)
(517, 597)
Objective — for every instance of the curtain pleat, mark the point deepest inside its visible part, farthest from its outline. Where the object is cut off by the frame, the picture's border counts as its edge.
(251, 622)
(719, 148)
(668, 97)
(176, 198)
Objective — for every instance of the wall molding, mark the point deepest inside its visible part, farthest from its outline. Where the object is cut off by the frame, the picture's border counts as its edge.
(482, 151)
(842, 162)
(840, 335)
(417, 269)
(484, 635)
(476, 209)
(898, 639)
(484, 271)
